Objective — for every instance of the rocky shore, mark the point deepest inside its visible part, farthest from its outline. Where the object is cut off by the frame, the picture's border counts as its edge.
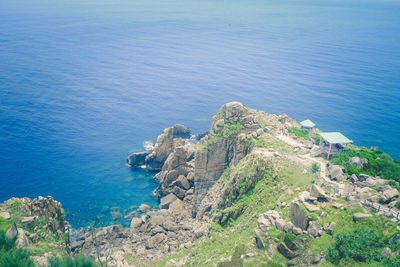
(241, 193)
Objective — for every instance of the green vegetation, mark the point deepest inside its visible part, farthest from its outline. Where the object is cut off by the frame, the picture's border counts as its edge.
(317, 139)
(362, 244)
(10, 256)
(379, 163)
(230, 129)
(315, 167)
(68, 261)
(298, 132)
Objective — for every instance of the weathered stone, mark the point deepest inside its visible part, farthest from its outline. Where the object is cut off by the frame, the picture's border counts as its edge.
(280, 224)
(144, 207)
(317, 192)
(29, 221)
(285, 251)
(136, 222)
(154, 241)
(137, 159)
(267, 219)
(12, 232)
(352, 178)
(386, 252)
(311, 207)
(176, 206)
(166, 142)
(312, 230)
(22, 241)
(297, 216)
(359, 216)
(336, 172)
(390, 194)
(5, 215)
(394, 239)
(259, 239)
(167, 200)
(358, 162)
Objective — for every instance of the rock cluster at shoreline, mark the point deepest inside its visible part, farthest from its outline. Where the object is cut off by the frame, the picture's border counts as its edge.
(259, 194)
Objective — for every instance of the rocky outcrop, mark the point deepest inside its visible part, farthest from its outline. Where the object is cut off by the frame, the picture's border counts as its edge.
(298, 216)
(225, 145)
(166, 143)
(137, 159)
(177, 173)
(40, 220)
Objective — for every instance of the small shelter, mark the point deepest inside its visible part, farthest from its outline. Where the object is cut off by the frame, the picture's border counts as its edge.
(333, 141)
(307, 124)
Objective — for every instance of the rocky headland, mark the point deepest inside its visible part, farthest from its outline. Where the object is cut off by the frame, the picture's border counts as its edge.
(242, 193)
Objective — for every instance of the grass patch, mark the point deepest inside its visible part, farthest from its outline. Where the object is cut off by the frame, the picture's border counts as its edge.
(298, 132)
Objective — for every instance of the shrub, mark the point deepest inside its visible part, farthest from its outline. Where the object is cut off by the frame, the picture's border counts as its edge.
(315, 167)
(77, 261)
(362, 245)
(379, 163)
(317, 139)
(298, 132)
(10, 256)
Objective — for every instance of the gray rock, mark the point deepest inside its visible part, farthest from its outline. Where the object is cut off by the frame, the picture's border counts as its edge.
(136, 222)
(394, 239)
(386, 252)
(352, 178)
(317, 192)
(267, 219)
(390, 194)
(313, 230)
(298, 216)
(285, 251)
(22, 241)
(5, 215)
(167, 200)
(358, 162)
(77, 245)
(137, 159)
(280, 224)
(144, 207)
(12, 232)
(29, 221)
(336, 172)
(154, 241)
(166, 143)
(259, 239)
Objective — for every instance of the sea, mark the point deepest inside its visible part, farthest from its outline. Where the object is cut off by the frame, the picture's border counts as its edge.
(83, 83)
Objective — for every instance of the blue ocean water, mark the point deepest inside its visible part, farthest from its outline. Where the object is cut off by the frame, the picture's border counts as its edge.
(84, 83)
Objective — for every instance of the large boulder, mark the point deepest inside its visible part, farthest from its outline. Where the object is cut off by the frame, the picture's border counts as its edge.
(5, 215)
(167, 200)
(154, 241)
(224, 146)
(267, 219)
(137, 159)
(336, 172)
(358, 162)
(166, 143)
(12, 232)
(317, 192)
(259, 239)
(298, 216)
(22, 241)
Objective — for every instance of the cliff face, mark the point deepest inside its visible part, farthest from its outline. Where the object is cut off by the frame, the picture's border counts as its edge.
(254, 193)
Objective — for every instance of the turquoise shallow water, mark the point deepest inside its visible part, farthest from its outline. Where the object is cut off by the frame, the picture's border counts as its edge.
(84, 83)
